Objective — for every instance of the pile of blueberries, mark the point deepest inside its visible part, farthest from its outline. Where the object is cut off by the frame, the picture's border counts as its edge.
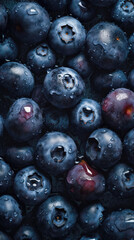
(67, 120)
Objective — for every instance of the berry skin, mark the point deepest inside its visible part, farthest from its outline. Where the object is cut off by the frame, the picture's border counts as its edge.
(55, 7)
(91, 237)
(103, 148)
(131, 45)
(3, 18)
(8, 49)
(128, 146)
(121, 181)
(56, 153)
(29, 22)
(91, 217)
(26, 232)
(104, 82)
(80, 64)
(123, 14)
(31, 187)
(4, 236)
(86, 117)
(118, 110)
(20, 157)
(56, 217)
(17, 79)
(107, 45)
(40, 59)
(6, 177)
(85, 183)
(82, 10)
(119, 225)
(63, 87)
(10, 213)
(67, 36)
(24, 120)
(38, 96)
(102, 3)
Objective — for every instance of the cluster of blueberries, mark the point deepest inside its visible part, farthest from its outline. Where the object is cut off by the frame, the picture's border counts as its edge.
(67, 120)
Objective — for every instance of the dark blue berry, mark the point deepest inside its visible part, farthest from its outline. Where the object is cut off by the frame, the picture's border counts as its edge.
(29, 22)
(107, 45)
(8, 49)
(17, 79)
(103, 148)
(26, 232)
(56, 153)
(38, 96)
(63, 87)
(6, 177)
(24, 120)
(67, 36)
(3, 18)
(41, 58)
(56, 217)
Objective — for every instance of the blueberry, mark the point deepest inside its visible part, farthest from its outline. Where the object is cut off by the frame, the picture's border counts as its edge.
(85, 183)
(4, 236)
(91, 237)
(82, 10)
(118, 109)
(80, 64)
(102, 3)
(29, 22)
(56, 153)
(121, 180)
(41, 58)
(55, 7)
(56, 120)
(103, 148)
(86, 117)
(8, 49)
(24, 120)
(63, 87)
(6, 177)
(17, 79)
(107, 45)
(10, 213)
(31, 187)
(56, 217)
(20, 157)
(104, 82)
(128, 146)
(91, 217)
(3, 18)
(26, 232)
(67, 36)
(119, 225)
(123, 13)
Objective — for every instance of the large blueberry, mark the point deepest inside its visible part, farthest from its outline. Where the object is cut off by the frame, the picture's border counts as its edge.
(29, 22)
(24, 120)
(56, 217)
(8, 49)
(26, 232)
(56, 153)
(17, 79)
(107, 45)
(67, 36)
(63, 87)
(6, 176)
(3, 18)
(103, 148)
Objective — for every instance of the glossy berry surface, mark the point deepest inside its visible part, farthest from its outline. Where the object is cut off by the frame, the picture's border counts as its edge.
(128, 146)
(31, 187)
(91, 217)
(107, 45)
(41, 58)
(118, 109)
(103, 148)
(6, 176)
(119, 225)
(16, 79)
(67, 36)
(86, 116)
(29, 22)
(63, 87)
(8, 49)
(121, 180)
(24, 120)
(26, 232)
(3, 18)
(10, 213)
(56, 153)
(84, 182)
(60, 214)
